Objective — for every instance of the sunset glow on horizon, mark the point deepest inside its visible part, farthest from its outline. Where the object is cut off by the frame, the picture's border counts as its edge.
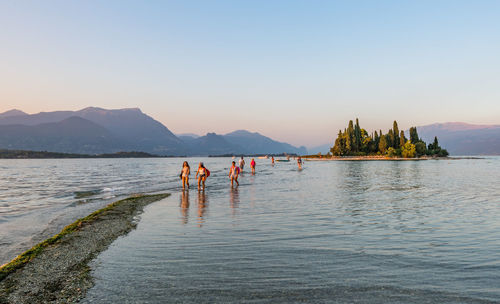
(293, 71)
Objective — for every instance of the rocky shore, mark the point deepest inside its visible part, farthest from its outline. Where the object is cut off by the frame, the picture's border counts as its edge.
(56, 270)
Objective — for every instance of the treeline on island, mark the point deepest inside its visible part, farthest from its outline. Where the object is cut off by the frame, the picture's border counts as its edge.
(356, 141)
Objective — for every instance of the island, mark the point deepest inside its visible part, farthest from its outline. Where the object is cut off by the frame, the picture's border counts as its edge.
(355, 143)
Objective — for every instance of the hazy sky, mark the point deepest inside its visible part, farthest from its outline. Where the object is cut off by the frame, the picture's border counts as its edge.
(293, 70)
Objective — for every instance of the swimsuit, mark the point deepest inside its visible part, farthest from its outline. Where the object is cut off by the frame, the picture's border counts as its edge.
(234, 172)
(201, 172)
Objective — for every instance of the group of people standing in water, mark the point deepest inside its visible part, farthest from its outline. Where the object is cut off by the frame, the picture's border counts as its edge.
(202, 173)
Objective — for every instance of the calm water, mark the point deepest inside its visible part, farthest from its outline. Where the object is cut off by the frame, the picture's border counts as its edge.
(365, 232)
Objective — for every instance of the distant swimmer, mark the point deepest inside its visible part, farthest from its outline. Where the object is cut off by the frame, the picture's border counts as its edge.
(299, 162)
(242, 163)
(234, 171)
(202, 175)
(272, 160)
(252, 165)
(185, 175)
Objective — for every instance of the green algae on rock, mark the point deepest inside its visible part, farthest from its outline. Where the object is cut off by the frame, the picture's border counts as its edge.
(56, 269)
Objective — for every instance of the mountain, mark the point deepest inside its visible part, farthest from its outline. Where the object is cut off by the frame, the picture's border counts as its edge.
(462, 138)
(323, 149)
(95, 131)
(12, 113)
(192, 135)
(213, 144)
(255, 143)
(72, 135)
(139, 131)
(187, 137)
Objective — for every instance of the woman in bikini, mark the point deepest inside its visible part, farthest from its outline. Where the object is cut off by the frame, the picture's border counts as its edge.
(185, 175)
(201, 174)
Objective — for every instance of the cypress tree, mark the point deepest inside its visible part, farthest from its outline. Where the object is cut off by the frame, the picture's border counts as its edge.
(390, 138)
(402, 139)
(436, 143)
(350, 138)
(357, 136)
(376, 140)
(395, 130)
(414, 135)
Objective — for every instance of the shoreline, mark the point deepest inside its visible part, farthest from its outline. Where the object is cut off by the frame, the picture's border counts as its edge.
(56, 270)
(383, 158)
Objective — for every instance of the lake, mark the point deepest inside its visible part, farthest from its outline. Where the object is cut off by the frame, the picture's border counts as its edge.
(340, 231)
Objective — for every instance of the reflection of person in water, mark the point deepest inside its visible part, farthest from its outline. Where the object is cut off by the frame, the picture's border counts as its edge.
(202, 205)
(185, 206)
(234, 198)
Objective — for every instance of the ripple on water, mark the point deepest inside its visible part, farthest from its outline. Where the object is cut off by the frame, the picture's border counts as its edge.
(365, 232)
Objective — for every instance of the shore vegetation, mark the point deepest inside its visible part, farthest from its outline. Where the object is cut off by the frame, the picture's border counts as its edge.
(356, 141)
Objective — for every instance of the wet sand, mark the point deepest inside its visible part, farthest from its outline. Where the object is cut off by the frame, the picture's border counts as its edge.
(56, 270)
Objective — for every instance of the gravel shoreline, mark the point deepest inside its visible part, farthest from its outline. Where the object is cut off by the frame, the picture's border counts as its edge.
(56, 270)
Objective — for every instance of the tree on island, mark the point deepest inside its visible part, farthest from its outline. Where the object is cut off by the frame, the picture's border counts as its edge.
(355, 141)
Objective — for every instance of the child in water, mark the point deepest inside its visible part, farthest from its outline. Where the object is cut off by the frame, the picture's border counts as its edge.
(252, 165)
(201, 174)
(234, 171)
(185, 175)
(299, 162)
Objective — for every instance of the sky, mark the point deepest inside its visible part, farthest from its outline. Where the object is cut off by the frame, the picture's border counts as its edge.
(295, 71)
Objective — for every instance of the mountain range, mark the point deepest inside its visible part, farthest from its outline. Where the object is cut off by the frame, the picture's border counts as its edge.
(464, 139)
(94, 131)
(457, 137)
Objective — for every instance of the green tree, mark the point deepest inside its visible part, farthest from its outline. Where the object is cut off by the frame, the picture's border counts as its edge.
(395, 131)
(339, 148)
(382, 146)
(443, 153)
(402, 139)
(350, 142)
(414, 135)
(391, 152)
(408, 150)
(420, 148)
(390, 138)
(357, 137)
(434, 145)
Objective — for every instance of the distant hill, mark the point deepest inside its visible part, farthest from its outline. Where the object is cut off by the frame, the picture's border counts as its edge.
(187, 137)
(464, 139)
(213, 144)
(255, 143)
(12, 113)
(98, 131)
(22, 154)
(324, 149)
(72, 135)
(134, 130)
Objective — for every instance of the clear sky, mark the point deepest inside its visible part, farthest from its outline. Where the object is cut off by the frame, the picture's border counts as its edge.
(293, 70)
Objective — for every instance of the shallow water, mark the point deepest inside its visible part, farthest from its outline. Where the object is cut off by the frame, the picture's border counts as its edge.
(39, 197)
(363, 231)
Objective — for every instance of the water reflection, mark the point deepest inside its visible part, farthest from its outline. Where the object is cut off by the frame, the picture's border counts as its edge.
(202, 207)
(234, 199)
(184, 198)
